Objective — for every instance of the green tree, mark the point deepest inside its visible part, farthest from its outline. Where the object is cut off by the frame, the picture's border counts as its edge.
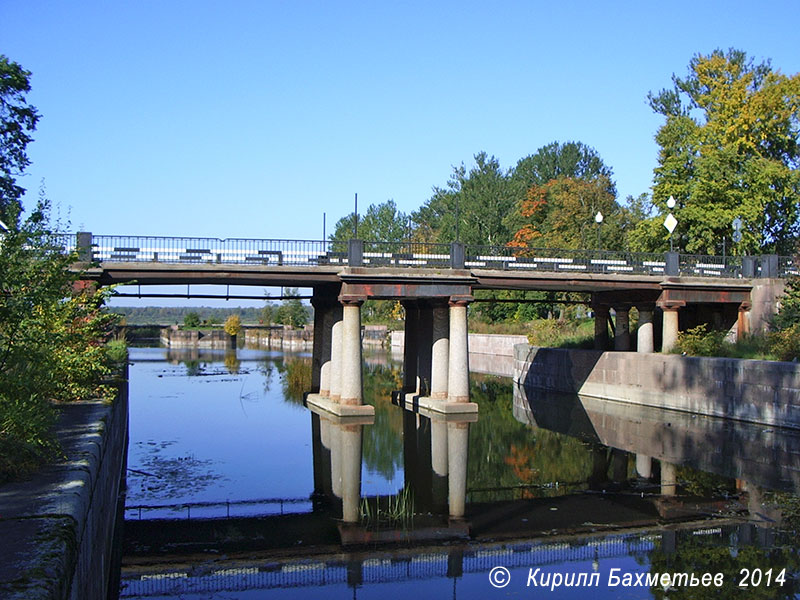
(555, 160)
(381, 223)
(291, 310)
(17, 122)
(191, 320)
(476, 201)
(728, 148)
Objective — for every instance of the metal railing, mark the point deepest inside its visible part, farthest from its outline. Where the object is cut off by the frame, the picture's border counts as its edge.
(315, 253)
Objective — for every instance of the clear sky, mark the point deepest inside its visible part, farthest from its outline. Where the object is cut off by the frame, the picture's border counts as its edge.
(252, 119)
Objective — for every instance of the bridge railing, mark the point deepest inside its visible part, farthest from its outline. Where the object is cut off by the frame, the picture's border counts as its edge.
(113, 248)
(275, 252)
(577, 261)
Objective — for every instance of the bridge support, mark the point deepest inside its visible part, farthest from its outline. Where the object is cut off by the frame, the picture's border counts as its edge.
(670, 327)
(669, 479)
(622, 329)
(457, 439)
(440, 355)
(351, 393)
(458, 363)
(600, 326)
(645, 337)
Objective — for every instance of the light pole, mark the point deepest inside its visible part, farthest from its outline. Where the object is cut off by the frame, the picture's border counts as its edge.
(598, 218)
(670, 222)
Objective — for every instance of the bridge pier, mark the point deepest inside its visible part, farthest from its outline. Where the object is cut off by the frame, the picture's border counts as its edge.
(622, 328)
(458, 363)
(351, 391)
(600, 326)
(645, 336)
(670, 326)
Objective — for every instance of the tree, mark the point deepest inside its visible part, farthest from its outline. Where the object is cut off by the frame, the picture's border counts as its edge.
(292, 311)
(381, 223)
(233, 325)
(555, 160)
(17, 122)
(191, 320)
(728, 148)
(561, 214)
(472, 207)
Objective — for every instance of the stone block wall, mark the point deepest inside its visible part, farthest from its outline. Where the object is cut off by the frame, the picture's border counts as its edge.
(58, 528)
(766, 392)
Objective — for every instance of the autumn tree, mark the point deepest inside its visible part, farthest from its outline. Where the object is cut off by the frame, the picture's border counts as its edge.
(728, 148)
(561, 214)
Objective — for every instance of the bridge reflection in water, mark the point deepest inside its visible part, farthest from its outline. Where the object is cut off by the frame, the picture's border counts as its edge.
(622, 523)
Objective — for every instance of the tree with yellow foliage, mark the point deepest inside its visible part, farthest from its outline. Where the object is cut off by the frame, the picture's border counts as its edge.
(729, 148)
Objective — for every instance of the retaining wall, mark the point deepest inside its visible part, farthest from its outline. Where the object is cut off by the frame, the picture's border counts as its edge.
(765, 392)
(59, 529)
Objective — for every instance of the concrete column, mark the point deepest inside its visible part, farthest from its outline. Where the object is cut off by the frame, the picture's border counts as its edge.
(645, 339)
(351, 353)
(439, 466)
(644, 466)
(316, 351)
(330, 314)
(441, 353)
(622, 329)
(600, 327)
(743, 321)
(335, 437)
(669, 479)
(458, 370)
(410, 347)
(457, 438)
(336, 357)
(351, 472)
(424, 350)
(670, 336)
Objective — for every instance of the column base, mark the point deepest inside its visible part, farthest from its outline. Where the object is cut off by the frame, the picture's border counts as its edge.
(415, 402)
(316, 401)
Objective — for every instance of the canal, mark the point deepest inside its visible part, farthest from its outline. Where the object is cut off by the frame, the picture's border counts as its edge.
(236, 490)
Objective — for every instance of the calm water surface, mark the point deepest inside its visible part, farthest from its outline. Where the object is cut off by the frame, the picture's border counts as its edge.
(210, 427)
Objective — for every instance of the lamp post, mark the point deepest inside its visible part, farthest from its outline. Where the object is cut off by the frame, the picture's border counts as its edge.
(670, 222)
(598, 218)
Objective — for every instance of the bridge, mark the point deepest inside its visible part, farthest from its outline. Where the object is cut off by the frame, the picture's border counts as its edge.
(435, 283)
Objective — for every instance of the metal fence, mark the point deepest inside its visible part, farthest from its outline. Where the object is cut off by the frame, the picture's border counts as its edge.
(313, 253)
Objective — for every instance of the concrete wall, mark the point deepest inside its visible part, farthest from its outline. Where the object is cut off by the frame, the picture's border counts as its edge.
(764, 392)
(765, 300)
(179, 338)
(58, 529)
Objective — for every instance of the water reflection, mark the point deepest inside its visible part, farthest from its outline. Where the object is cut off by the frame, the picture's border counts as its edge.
(588, 486)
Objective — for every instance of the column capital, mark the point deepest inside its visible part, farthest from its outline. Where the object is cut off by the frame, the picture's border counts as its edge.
(646, 306)
(745, 306)
(670, 304)
(351, 300)
(460, 300)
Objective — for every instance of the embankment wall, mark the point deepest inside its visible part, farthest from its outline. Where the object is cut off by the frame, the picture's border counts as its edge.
(765, 392)
(59, 530)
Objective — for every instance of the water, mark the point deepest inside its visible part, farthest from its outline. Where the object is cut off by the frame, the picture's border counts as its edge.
(218, 435)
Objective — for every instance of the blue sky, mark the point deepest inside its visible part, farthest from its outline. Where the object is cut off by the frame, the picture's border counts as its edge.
(252, 119)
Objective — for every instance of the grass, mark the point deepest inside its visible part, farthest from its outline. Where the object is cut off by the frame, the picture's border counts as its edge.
(397, 511)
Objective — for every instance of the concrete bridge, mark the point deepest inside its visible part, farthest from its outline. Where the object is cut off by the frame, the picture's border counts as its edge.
(435, 283)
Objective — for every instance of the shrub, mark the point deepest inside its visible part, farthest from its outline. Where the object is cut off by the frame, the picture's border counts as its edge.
(233, 325)
(699, 341)
(191, 320)
(785, 344)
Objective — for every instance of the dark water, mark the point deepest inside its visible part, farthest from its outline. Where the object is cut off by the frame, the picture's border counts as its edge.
(223, 447)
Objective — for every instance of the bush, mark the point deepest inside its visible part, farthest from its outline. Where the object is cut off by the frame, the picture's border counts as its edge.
(699, 341)
(785, 344)
(233, 325)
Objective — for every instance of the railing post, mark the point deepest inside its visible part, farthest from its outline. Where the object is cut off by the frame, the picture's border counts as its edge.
(769, 265)
(355, 253)
(673, 264)
(84, 246)
(457, 257)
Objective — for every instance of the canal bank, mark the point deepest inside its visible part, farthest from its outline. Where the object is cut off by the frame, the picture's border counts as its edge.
(755, 391)
(61, 528)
